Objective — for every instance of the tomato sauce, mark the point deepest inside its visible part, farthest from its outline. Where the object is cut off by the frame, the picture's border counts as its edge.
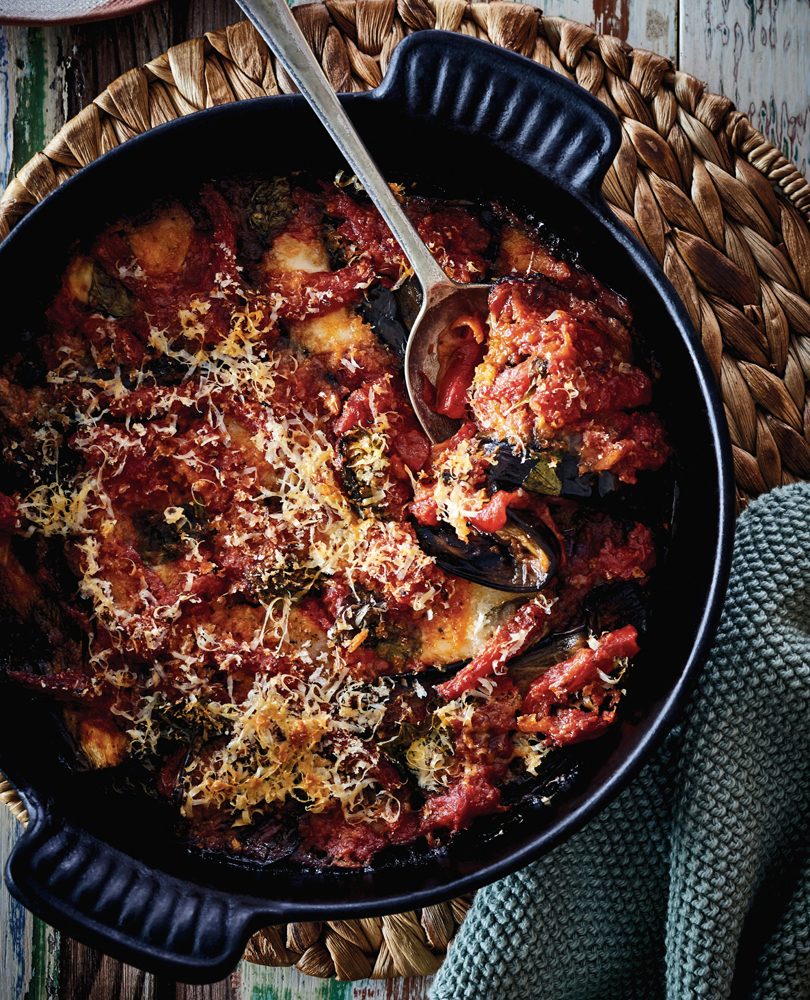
(224, 454)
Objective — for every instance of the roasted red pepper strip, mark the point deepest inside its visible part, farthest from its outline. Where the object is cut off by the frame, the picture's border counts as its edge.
(529, 623)
(493, 517)
(546, 707)
(461, 348)
(615, 558)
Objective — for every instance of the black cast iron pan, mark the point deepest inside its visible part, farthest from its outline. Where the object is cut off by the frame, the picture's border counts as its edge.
(479, 122)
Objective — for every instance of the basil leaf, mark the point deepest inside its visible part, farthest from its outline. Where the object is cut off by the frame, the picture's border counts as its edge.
(271, 207)
(108, 295)
(543, 479)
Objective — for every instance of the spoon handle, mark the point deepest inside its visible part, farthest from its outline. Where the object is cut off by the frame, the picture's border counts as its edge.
(274, 21)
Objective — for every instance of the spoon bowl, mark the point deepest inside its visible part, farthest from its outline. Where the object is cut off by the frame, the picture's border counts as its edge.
(443, 300)
(442, 306)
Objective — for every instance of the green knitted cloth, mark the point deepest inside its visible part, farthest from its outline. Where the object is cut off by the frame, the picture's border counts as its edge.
(695, 881)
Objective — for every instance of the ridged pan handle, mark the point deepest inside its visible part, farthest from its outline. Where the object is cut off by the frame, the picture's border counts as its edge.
(113, 902)
(535, 115)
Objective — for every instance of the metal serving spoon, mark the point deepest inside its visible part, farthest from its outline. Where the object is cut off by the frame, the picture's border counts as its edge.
(443, 300)
(523, 557)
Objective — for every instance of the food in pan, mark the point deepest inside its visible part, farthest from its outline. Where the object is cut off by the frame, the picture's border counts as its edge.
(262, 589)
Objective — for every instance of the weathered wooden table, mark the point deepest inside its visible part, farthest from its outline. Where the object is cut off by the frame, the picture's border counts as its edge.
(754, 51)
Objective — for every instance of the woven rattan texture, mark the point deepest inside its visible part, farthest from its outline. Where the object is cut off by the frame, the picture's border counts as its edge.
(718, 206)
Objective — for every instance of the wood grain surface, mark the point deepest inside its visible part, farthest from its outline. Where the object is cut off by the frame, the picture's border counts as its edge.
(757, 52)
(754, 51)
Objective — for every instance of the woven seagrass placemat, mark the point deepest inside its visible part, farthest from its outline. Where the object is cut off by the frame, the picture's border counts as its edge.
(719, 207)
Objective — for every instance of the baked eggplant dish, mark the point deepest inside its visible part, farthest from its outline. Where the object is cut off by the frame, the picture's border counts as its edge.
(309, 631)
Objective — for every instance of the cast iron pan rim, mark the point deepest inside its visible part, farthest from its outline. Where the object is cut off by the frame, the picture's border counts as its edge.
(265, 910)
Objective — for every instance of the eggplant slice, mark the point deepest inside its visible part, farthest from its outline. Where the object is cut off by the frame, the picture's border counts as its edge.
(548, 475)
(521, 558)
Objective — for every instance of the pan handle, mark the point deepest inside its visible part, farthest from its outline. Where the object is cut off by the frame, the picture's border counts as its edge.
(111, 901)
(537, 116)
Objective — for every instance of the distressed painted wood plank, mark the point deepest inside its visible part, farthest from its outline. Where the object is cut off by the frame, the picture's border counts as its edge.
(45, 973)
(648, 24)
(189, 20)
(757, 52)
(86, 974)
(264, 983)
(91, 56)
(32, 96)
(101, 51)
(227, 989)
(47, 75)
(29, 949)
(16, 925)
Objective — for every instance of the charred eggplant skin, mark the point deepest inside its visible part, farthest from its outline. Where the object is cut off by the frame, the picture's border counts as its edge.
(534, 471)
(490, 560)
(391, 314)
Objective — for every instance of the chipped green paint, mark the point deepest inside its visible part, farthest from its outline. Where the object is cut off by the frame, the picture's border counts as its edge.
(44, 982)
(32, 99)
(327, 989)
(752, 9)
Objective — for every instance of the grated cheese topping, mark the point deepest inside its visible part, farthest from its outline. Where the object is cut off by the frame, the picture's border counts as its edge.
(247, 576)
(457, 499)
(299, 739)
(299, 734)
